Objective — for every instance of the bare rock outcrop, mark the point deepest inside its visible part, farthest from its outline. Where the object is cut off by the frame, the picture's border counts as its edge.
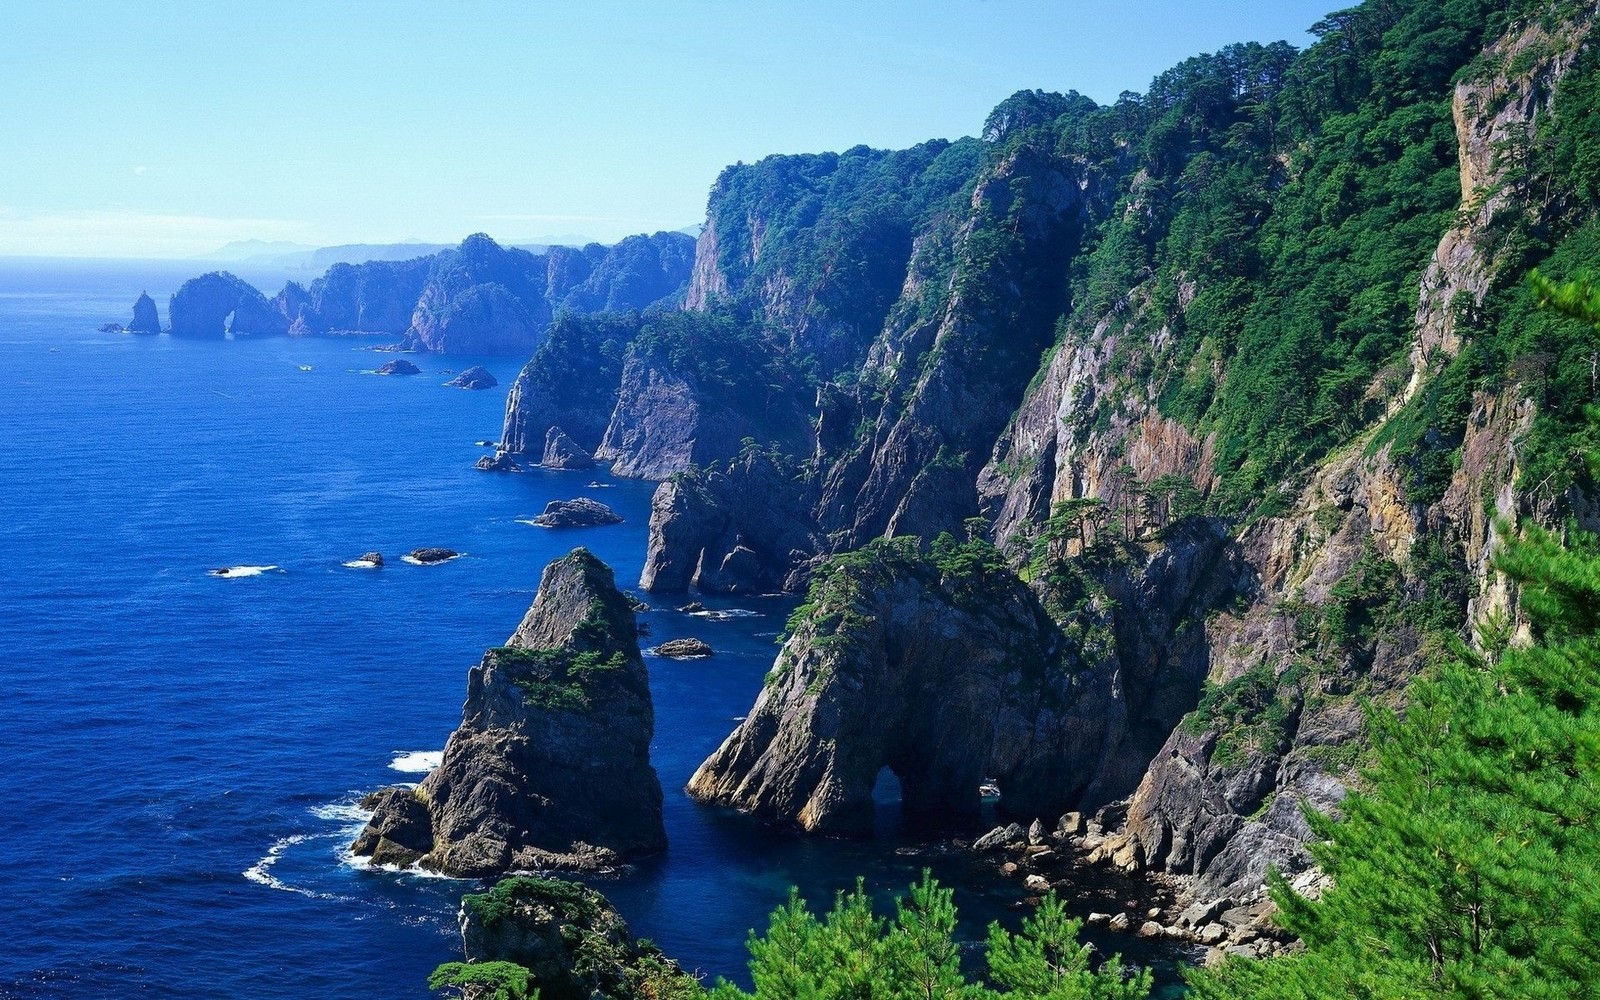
(399, 366)
(580, 512)
(550, 767)
(145, 317)
(741, 530)
(217, 304)
(949, 670)
(561, 452)
(476, 377)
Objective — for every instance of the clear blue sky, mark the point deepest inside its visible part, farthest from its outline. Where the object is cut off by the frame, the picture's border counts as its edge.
(167, 129)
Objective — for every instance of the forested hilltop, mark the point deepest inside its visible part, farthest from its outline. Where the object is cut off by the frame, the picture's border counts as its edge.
(1139, 457)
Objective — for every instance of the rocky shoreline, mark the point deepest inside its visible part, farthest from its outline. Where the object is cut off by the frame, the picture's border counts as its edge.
(1147, 904)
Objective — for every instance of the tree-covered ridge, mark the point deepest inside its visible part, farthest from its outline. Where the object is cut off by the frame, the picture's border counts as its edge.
(1270, 210)
(820, 242)
(1284, 209)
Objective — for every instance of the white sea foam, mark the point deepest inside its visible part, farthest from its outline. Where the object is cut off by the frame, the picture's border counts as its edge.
(416, 761)
(361, 564)
(343, 812)
(229, 572)
(722, 616)
(417, 872)
(365, 864)
(261, 872)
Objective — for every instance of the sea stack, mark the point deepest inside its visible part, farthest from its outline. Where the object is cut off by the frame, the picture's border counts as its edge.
(476, 377)
(145, 317)
(550, 768)
(399, 366)
(561, 452)
(579, 512)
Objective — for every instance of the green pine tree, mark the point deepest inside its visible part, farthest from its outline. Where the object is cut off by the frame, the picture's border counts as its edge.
(1469, 863)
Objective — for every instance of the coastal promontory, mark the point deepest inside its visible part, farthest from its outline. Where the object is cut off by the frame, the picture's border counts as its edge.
(217, 304)
(550, 767)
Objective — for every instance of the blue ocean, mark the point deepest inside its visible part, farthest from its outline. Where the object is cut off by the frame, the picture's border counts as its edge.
(185, 752)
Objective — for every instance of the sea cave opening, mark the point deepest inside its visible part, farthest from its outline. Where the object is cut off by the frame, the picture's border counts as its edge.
(887, 810)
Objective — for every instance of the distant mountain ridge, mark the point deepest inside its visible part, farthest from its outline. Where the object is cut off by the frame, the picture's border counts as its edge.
(475, 298)
(291, 256)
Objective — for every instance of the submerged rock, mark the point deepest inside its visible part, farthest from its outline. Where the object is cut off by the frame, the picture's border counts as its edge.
(476, 377)
(550, 767)
(145, 317)
(561, 452)
(399, 366)
(580, 512)
(683, 648)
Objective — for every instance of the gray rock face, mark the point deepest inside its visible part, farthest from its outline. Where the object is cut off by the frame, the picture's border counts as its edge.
(476, 377)
(741, 531)
(377, 296)
(580, 512)
(948, 681)
(217, 304)
(561, 452)
(399, 366)
(500, 461)
(550, 767)
(683, 648)
(477, 319)
(428, 556)
(145, 318)
(656, 428)
(400, 830)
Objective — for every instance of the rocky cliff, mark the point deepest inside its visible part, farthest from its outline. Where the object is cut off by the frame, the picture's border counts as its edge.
(476, 298)
(1145, 354)
(951, 672)
(374, 297)
(550, 767)
(216, 304)
(739, 529)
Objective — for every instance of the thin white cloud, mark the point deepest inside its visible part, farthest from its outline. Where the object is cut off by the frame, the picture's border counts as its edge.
(132, 233)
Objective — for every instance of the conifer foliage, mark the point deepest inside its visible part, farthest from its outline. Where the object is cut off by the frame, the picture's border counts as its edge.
(854, 954)
(1469, 864)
